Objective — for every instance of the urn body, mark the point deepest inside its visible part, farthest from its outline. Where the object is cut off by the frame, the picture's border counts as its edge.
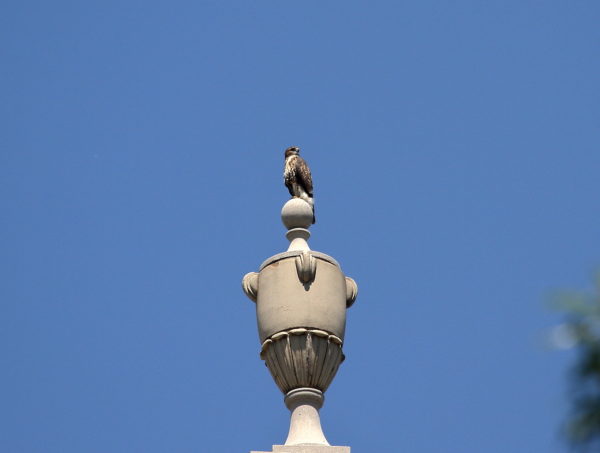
(285, 301)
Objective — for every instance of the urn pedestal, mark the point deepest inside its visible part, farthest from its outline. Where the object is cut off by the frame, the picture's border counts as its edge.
(301, 300)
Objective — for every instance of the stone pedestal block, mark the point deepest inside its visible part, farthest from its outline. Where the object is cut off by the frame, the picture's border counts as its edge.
(305, 449)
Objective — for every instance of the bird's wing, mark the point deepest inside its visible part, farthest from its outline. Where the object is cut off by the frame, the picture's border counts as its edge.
(303, 176)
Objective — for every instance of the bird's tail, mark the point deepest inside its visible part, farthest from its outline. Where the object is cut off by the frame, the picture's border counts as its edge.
(310, 202)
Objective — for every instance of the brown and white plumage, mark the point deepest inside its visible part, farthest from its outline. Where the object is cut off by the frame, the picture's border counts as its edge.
(297, 177)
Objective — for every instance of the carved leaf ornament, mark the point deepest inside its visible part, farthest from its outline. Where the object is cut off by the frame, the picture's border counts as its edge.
(306, 266)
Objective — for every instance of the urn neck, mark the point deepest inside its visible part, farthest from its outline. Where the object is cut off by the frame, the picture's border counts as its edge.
(298, 238)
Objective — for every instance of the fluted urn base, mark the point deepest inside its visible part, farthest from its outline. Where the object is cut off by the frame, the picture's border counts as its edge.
(302, 358)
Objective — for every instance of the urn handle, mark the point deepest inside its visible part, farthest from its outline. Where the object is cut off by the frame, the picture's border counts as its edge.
(351, 291)
(250, 285)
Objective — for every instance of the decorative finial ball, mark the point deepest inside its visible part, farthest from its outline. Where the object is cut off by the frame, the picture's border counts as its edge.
(296, 213)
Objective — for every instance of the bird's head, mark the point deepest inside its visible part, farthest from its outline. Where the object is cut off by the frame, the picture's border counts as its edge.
(292, 151)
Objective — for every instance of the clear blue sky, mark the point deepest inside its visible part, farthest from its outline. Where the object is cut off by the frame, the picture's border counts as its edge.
(454, 148)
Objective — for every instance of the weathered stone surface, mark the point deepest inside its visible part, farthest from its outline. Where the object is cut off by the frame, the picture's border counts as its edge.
(302, 358)
(284, 301)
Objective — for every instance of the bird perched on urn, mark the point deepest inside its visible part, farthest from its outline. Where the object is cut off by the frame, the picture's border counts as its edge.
(297, 178)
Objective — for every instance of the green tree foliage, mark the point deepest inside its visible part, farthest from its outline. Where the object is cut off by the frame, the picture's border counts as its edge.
(582, 331)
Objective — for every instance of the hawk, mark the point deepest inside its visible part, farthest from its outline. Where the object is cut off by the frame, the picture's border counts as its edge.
(297, 178)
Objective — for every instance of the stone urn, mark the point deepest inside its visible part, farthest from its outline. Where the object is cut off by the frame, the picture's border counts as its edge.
(301, 299)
